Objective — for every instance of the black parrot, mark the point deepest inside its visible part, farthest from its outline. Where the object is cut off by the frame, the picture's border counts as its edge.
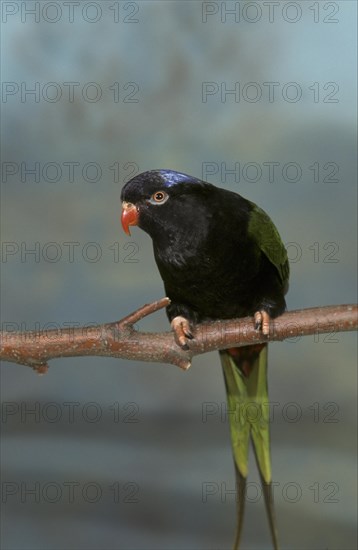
(220, 257)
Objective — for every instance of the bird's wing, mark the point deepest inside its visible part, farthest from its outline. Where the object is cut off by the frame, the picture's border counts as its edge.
(263, 231)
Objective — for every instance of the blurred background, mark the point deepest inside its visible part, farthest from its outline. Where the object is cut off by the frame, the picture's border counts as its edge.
(255, 97)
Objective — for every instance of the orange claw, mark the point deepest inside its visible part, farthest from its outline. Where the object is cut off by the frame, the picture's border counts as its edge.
(262, 322)
(182, 330)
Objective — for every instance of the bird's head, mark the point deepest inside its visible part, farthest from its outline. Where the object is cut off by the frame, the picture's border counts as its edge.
(158, 199)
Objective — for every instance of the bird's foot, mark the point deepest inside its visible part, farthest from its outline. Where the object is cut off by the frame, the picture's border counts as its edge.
(262, 322)
(182, 331)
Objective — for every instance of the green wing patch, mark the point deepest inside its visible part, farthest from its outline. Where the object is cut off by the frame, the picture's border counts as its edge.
(262, 229)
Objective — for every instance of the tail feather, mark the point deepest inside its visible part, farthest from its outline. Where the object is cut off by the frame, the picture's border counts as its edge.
(270, 510)
(245, 374)
(240, 504)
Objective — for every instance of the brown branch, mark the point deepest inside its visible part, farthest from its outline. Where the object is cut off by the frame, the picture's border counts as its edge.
(120, 339)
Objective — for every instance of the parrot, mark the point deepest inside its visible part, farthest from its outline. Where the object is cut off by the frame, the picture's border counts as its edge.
(220, 257)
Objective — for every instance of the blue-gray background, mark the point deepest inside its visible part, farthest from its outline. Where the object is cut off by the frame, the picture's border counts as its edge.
(171, 470)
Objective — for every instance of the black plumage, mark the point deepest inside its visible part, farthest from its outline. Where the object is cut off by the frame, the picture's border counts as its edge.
(220, 257)
(211, 266)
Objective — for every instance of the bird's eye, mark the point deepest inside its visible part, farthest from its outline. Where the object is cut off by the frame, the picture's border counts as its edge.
(159, 197)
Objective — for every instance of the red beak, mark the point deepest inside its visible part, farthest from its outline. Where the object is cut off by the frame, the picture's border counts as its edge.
(129, 216)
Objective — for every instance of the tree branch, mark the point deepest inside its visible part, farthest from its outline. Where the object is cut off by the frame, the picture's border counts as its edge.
(120, 339)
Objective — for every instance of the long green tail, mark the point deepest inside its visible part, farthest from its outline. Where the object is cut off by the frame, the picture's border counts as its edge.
(245, 374)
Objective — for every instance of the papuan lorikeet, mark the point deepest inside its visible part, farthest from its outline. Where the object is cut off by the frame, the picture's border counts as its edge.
(220, 257)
